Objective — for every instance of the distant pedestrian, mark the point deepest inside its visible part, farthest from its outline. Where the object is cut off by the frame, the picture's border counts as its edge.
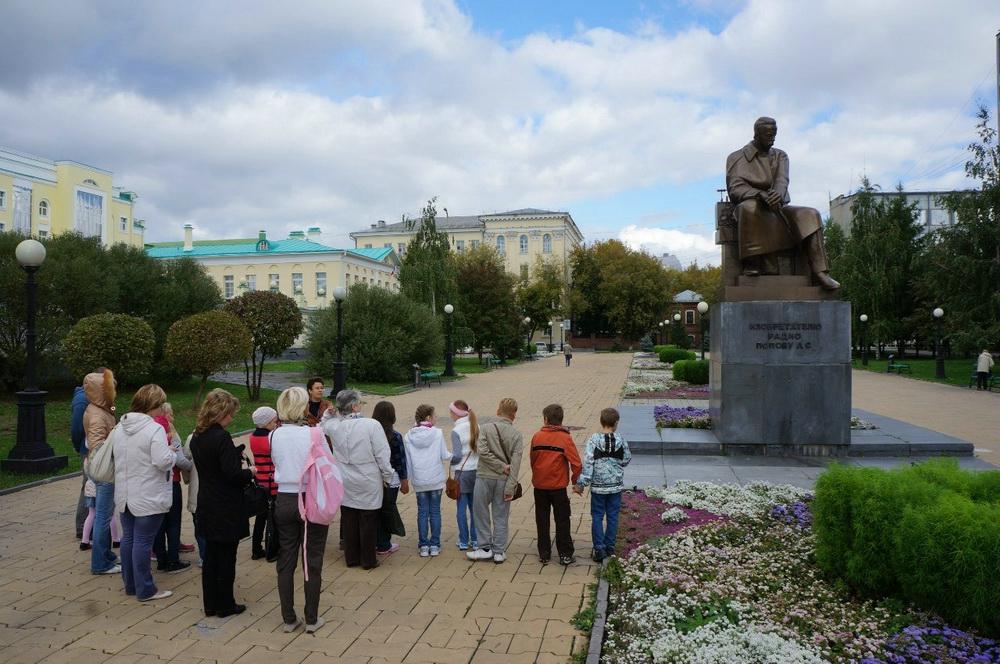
(604, 463)
(555, 463)
(318, 406)
(98, 421)
(984, 366)
(500, 448)
(465, 460)
(568, 353)
(265, 420)
(220, 518)
(425, 453)
(385, 414)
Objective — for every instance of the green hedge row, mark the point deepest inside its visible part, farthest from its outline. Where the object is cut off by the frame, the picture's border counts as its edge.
(929, 533)
(671, 355)
(661, 347)
(692, 371)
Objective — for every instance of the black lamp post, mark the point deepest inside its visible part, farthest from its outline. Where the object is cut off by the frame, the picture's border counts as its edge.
(552, 346)
(661, 337)
(339, 366)
(449, 362)
(31, 454)
(702, 313)
(677, 324)
(938, 351)
(864, 339)
(527, 335)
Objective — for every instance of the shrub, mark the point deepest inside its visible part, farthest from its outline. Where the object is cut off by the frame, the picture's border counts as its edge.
(646, 343)
(207, 342)
(691, 371)
(119, 342)
(671, 355)
(660, 347)
(385, 333)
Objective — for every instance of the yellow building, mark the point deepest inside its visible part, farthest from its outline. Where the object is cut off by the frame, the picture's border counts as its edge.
(41, 198)
(520, 236)
(298, 266)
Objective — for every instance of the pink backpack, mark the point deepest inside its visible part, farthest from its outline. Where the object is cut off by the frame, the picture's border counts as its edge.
(321, 486)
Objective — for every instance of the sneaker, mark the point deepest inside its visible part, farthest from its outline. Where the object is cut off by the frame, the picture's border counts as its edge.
(425, 551)
(84, 546)
(311, 629)
(479, 554)
(163, 594)
(114, 569)
(288, 628)
(435, 551)
(544, 561)
(179, 566)
(499, 558)
(186, 548)
(609, 551)
(567, 560)
(462, 547)
(597, 555)
(393, 548)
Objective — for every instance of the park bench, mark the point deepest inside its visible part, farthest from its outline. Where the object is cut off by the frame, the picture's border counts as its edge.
(991, 382)
(492, 362)
(898, 367)
(427, 376)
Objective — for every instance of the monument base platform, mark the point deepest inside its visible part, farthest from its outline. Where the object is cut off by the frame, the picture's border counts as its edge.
(777, 287)
(780, 381)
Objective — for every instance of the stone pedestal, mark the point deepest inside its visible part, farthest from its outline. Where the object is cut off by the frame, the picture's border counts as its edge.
(781, 377)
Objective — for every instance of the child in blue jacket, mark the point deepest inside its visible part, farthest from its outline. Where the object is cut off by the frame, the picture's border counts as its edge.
(604, 464)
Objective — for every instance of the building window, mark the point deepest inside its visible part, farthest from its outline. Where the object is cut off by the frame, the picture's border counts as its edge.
(501, 244)
(41, 234)
(297, 283)
(228, 286)
(22, 210)
(475, 244)
(524, 270)
(368, 246)
(400, 248)
(387, 245)
(689, 317)
(546, 244)
(524, 244)
(89, 213)
(43, 209)
(3, 199)
(460, 245)
(251, 282)
(321, 283)
(124, 224)
(274, 281)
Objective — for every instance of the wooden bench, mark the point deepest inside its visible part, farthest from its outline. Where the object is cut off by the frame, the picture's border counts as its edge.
(427, 376)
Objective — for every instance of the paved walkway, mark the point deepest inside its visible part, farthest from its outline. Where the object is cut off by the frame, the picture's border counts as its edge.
(410, 609)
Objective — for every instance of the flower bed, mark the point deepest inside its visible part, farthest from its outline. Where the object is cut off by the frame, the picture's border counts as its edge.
(649, 362)
(736, 582)
(685, 417)
(644, 381)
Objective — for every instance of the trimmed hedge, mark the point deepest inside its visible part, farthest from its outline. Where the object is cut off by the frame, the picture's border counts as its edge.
(691, 371)
(671, 355)
(660, 347)
(929, 533)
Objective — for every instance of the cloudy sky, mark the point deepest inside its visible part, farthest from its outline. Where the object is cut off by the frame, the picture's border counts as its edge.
(236, 116)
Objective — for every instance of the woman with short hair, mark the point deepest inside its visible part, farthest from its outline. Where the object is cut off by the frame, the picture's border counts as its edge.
(143, 461)
(220, 518)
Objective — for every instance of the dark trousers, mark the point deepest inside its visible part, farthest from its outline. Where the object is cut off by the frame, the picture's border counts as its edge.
(291, 530)
(167, 545)
(81, 508)
(383, 538)
(257, 541)
(557, 501)
(218, 574)
(360, 528)
(982, 380)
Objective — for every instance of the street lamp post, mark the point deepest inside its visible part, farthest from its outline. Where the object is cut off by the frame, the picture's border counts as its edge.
(562, 334)
(339, 366)
(939, 368)
(702, 312)
(31, 453)
(449, 362)
(864, 339)
(677, 324)
(661, 337)
(552, 346)
(527, 338)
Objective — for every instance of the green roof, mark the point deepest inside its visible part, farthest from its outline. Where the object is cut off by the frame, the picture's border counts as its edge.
(248, 247)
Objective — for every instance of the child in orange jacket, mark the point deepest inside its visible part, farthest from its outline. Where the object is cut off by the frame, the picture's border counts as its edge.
(555, 463)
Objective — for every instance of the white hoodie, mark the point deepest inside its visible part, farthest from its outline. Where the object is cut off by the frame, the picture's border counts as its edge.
(425, 452)
(143, 465)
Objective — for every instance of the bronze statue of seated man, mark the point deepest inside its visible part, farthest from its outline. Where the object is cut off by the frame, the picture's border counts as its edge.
(757, 182)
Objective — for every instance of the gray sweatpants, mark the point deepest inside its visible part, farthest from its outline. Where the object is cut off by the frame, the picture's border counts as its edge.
(487, 498)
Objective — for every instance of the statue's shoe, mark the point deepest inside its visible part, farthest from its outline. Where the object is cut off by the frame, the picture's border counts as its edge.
(826, 281)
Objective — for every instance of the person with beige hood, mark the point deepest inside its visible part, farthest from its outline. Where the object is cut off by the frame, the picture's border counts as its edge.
(98, 421)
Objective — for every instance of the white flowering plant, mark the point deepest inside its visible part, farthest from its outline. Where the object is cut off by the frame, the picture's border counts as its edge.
(673, 515)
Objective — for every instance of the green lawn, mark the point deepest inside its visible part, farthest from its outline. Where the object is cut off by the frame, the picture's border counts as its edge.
(181, 397)
(957, 371)
(289, 366)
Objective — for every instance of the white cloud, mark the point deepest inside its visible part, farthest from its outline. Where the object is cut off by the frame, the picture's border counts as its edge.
(688, 247)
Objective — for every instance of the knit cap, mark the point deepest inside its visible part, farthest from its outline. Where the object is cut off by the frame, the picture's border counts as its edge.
(263, 415)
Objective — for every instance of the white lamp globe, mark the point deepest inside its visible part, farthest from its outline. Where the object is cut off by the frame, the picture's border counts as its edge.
(339, 293)
(677, 318)
(527, 320)
(30, 253)
(863, 318)
(448, 308)
(938, 312)
(703, 307)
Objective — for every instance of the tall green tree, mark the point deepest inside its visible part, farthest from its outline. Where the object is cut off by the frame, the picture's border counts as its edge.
(961, 268)
(208, 342)
(543, 297)
(119, 342)
(427, 271)
(274, 321)
(487, 301)
(706, 281)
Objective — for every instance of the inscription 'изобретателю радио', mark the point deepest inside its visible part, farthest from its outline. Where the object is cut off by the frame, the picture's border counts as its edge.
(785, 336)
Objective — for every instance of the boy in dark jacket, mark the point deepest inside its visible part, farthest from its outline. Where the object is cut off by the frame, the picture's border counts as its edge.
(555, 463)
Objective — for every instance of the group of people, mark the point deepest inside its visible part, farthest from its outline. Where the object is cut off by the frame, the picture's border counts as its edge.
(377, 463)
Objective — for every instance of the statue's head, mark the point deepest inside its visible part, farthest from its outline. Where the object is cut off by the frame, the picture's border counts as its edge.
(764, 131)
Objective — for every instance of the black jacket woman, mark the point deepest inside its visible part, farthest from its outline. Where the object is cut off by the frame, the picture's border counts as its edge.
(219, 517)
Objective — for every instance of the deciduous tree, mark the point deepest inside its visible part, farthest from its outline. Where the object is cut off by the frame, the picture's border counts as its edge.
(274, 322)
(119, 342)
(208, 342)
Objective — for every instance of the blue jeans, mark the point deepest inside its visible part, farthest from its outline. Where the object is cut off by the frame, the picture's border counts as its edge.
(102, 558)
(466, 524)
(429, 517)
(601, 506)
(138, 533)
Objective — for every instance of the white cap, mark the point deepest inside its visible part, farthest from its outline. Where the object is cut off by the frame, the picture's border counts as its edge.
(263, 415)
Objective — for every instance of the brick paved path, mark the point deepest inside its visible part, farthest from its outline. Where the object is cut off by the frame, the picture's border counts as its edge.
(410, 609)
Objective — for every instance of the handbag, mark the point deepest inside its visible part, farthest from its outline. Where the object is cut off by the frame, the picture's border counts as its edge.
(518, 489)
(100, 462)
(452, 487)
(255, 497)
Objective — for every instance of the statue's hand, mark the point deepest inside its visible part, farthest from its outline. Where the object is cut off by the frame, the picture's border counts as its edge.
(773, 199)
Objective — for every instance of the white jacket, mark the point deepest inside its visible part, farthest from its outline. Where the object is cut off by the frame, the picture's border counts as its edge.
(290, 445)
(425, 450)
(362, 452)
(985, 363)
(143, 465)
